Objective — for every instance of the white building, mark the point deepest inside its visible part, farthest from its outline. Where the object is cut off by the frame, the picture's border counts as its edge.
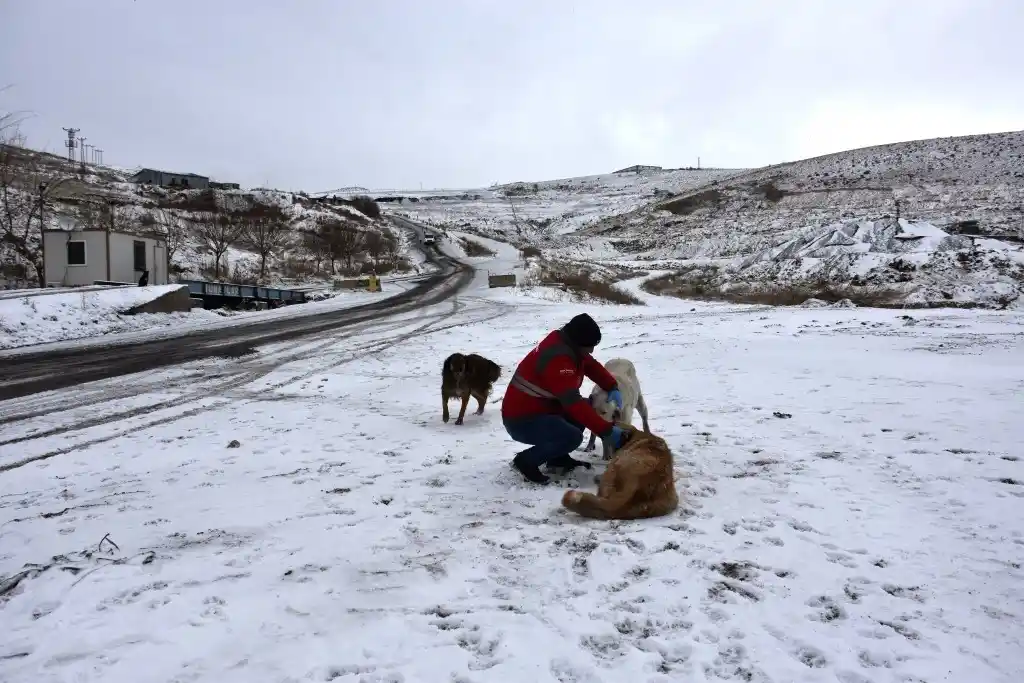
(72, 258)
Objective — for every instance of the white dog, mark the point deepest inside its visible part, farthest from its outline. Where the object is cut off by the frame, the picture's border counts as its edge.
(625, 374)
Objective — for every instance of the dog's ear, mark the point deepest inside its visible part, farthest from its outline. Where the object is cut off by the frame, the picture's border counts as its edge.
(630, 430)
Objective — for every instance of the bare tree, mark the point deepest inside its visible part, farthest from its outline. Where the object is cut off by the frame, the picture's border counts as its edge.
(176, 231)
(392, 249)
(25, 193)
(90, 215)
(100, 212)
(343, 241)
(119, 217)
(316, 246)
(375, 246)
(266, 235)
(218, 232)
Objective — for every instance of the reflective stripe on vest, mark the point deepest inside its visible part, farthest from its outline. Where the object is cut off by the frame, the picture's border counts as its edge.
(530, 389)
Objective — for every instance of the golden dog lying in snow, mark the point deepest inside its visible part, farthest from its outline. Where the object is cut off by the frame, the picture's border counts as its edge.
(638, 483)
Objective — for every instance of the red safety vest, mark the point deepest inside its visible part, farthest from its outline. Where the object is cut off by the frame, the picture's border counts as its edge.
(548, 381)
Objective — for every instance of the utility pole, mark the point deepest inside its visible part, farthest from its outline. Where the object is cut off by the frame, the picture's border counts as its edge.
(42, 230)
(100, 153)
(70, 143)
(81, 146)
(698, 163)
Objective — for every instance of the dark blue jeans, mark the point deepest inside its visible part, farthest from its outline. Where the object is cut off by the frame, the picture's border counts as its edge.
(550, 437)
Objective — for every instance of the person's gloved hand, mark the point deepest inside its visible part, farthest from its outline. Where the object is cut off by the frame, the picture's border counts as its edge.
(618, 437)
(615, 396)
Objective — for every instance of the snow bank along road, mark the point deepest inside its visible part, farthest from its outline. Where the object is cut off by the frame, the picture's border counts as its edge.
(851, 482)
(24, 373)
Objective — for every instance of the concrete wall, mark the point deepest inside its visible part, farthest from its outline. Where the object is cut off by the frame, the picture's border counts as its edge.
(355, 283)
(172, 302)
(55, 254)
(122, 258)
(501, 280)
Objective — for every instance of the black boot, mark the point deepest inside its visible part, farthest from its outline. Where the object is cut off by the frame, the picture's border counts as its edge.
(529, 470)
(567, 463)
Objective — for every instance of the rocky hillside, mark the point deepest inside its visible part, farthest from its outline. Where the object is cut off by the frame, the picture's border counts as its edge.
(538, 213)
(963, 185)
(931, 223)
(254, 235)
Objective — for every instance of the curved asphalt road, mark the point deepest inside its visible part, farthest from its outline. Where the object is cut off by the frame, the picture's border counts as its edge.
(32, 373)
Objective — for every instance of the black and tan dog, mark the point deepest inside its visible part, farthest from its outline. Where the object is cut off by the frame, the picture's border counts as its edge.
(463, 376)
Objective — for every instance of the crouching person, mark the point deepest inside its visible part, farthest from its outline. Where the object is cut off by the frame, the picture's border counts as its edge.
(543, 406)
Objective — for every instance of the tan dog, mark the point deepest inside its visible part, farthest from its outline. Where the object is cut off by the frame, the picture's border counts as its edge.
(638, 483)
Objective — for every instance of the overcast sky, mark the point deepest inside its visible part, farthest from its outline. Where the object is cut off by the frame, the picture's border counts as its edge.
(321, 94)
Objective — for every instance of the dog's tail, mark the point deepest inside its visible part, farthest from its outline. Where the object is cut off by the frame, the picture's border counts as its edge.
(494, 371)
(585, 504)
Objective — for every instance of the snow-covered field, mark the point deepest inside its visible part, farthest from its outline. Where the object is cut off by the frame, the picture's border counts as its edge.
(44, 321)
(851, 485)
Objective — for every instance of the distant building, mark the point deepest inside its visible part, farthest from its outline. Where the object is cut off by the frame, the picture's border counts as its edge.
(151, 176)
(74, 258)
(639, 169)
(224, 186)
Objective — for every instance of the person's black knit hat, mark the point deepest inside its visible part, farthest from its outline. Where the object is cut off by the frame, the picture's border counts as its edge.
(582, 331)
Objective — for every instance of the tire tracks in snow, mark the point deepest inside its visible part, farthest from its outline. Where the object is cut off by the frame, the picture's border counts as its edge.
(266, 365)
(111, 390)
(104, 395)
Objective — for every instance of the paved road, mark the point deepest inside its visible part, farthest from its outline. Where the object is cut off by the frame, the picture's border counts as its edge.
(32, 373)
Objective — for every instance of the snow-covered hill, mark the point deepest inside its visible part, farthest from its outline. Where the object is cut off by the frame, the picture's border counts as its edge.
(536, 213)
(92, 196)
(882, 263)
(971, 184)
(769, 227)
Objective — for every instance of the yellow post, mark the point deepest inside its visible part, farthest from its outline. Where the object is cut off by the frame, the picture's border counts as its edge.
(372, 284)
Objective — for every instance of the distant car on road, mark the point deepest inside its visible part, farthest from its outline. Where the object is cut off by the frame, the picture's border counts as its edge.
(429, 239)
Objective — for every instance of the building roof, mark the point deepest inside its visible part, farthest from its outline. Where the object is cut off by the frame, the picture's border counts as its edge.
(156, 170)
(141, 233)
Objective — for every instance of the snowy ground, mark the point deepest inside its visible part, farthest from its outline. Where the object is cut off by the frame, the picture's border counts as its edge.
(39, 320)
(851, 482)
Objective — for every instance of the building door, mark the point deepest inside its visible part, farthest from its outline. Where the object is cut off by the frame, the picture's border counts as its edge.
(158, 275)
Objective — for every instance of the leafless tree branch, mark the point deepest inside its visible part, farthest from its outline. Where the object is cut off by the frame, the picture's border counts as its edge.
(219, 232)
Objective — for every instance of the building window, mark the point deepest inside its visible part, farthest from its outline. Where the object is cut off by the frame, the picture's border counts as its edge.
(140, 254)
(76, 253)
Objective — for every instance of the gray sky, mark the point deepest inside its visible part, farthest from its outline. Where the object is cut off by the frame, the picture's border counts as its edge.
(320, 94)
